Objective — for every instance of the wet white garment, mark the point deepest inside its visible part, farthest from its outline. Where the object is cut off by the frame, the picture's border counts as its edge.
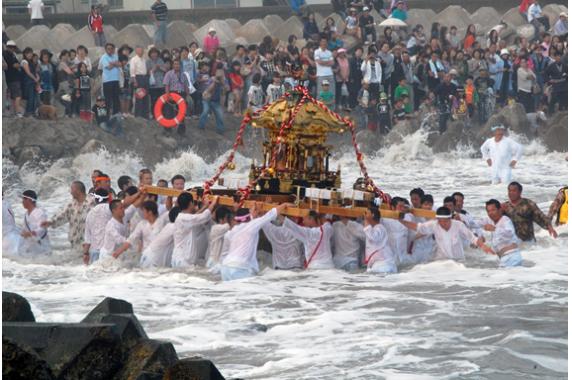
(39, 244)
(501, 154)
(423, 246)
(471, 223)
(201, 243)
(449, 243)
(216, 239)
(398, 236)
(378, 251)
(10, 232)
(95, 224)
(503, 235)
(144, 234)
(184, 254)
(287, 251)
(347, 242)
(115, 235)
(159, 252)
(311, 237)
(242, 243)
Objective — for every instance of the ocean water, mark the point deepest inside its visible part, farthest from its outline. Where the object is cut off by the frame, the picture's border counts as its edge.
(442, 320)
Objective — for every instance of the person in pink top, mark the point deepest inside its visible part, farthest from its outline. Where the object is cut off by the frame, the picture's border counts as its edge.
(211, 42)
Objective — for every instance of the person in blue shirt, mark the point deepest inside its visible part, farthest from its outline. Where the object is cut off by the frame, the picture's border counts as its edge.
(399, 11)
(109, 65)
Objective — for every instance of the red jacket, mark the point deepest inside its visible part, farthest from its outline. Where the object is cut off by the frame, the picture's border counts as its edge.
(95, 23)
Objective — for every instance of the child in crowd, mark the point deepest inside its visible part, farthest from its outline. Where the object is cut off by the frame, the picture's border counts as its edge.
(383, 114)
(236, 87)
(103, 120)
(399, 113)
(470, 95)
(83, 91)
(255, 94)
(275, 89)
(47, 77)
(125, 88)
(326, 96)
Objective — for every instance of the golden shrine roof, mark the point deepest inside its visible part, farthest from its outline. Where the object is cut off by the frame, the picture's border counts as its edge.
(310, 119)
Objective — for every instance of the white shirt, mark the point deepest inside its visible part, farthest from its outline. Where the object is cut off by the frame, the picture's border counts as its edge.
(372, 77)
(347, 242)
(36, 9)
(501, 154)
(86, 60)
(216, 239)
(159, 252)
(144, 234)
(311, 237)
(449, 243)
(95, 224)
(115, 235)
(534, 11)
(323, 55)
(243, 241)
(377, 247)
(503, 235)
(286, 250)
(398, 236)
(137, 66)
(185, 236)
(39, 244)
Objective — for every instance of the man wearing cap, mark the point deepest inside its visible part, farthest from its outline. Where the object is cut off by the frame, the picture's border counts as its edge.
(159, 12)
(211, 42)
(501, 154)
(35, 237)
(13, 76)
(449, 235)
(324, 61)
(561, 25)
(75, 214)
(367, 26)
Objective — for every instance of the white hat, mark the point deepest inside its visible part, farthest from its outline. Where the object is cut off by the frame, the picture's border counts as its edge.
(11, 43)
(563, 14)
(453, 72)
(325, 81)
(211, 29)
(497, 126)
(365, 9)
(504, 51)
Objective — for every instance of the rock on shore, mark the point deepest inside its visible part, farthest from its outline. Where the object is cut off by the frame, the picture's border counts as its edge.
(109, 343)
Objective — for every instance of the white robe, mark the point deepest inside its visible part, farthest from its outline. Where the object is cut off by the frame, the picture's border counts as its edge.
(310, 237)
(95, 223)
(11, 238)
(347, 243)
(503, 235)
(186, 250)
(159, 252)
(286, 250)
(216, 239)
(115, 235)
(449, 243)
(144, 234)
(40, 243)
(378, 253)
(243, 241)
(501, 154)
(423, 248)
(398, 239)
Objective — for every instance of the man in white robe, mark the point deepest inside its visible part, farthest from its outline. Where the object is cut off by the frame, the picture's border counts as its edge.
(316, 238)
(379, 257)
(501, 153)
(186, 251)
(449, 235)
(287, 251)
(422, 247)
(504, 241)
(223, 217)
(35, 240)
(116, 229)
(159, 252)
(398, 234)
(348, 236)
(239, 261)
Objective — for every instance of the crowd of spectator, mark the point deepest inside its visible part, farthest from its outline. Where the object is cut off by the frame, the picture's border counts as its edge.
(384, 78)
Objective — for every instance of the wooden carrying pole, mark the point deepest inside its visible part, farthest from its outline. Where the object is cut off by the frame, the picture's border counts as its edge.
(303, 210)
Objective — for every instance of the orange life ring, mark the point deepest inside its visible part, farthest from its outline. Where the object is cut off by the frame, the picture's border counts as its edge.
(181, 106)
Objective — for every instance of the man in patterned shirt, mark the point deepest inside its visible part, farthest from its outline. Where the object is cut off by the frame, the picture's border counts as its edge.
(75, 214)
(523, 212)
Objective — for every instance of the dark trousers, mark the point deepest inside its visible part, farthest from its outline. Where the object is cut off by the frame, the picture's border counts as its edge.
(418, 95)
(561, 98)
(142, 105)
(155, 93)
(527, 100)
(197, 98)
(374, 90)
(111, 95)
(354, 87)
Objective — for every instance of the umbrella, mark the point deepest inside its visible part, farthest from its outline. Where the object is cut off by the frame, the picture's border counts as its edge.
(392, 22)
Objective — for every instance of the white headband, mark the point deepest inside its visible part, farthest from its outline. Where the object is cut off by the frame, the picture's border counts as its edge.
(443, 216)
(30, 198)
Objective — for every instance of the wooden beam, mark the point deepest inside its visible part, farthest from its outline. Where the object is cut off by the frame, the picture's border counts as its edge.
(301, 211)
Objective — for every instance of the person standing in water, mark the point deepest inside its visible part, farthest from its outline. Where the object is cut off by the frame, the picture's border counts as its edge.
(504, 241)
(35, 237)
(501, 153)
(379, 257)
